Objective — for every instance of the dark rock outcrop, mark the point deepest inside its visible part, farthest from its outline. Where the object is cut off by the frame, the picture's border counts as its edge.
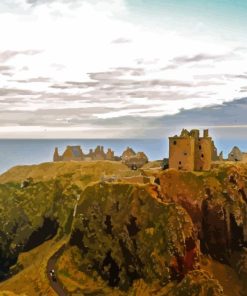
(216, 203)
(126, 234)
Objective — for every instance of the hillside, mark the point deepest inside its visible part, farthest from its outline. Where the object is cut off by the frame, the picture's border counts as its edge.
(186, 232)
(124, 233)
(41, 210)
(76, 170)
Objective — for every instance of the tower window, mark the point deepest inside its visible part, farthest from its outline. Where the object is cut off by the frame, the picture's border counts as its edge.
(180, 162)
(174, 142)
(200, 147)
(202, 155)
(185, 153)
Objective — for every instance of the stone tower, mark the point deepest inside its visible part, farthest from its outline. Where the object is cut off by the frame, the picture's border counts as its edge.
(182, 152)
(203, 152)
(190, 152)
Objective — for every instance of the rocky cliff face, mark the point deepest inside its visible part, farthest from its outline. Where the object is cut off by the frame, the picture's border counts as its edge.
(126, 234)
(133, 237)
(217, 204)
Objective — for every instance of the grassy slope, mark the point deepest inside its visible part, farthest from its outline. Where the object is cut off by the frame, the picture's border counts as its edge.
(32, 279)
(84, 171)
(162, 228)
(81, 174)
(38, 196)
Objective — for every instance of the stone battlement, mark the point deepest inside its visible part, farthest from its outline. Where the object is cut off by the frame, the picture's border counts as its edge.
(75, 153)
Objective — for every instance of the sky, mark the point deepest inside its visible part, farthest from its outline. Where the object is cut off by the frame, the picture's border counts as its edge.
(122, 68)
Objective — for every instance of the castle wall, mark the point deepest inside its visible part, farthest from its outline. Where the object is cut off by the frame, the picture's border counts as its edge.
(181, 153)
(75, 153)
(68, 154)
(110, 155)
(203, 154)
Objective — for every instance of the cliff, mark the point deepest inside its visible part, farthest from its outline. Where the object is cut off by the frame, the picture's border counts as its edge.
(126, 238)
(217, 204)
(126, 234)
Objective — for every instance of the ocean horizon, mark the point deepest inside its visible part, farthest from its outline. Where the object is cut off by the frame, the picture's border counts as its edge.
(15, 152)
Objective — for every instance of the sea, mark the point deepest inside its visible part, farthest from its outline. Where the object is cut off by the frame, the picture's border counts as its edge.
(15, 152)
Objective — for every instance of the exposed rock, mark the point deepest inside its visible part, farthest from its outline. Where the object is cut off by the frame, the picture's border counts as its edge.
(216, 203)
(134, 160)
(125, 234)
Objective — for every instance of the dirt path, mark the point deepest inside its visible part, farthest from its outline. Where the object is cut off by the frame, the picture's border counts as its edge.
(56, 285)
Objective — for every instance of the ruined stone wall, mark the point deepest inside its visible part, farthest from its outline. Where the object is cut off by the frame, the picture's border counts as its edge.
(181, 153)
(110, 155)
(68, 155)
(135, 161)
(75, 153)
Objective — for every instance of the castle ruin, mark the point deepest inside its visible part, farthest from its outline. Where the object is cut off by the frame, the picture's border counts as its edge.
(75, 153)
(237, 155)
(133, 159)
(190, 152)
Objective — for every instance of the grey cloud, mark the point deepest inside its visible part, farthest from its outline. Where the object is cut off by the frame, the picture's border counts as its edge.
(230, 113)
(36, 2)
(111, 80)
(39, 2)
(223, 77)
(50, 118)
(105, 76)
(75, 84)
(131, 71)
(9, 54)
(121, 41)
(34, 80)
(199, 58)
(239, 76)
(243, 89)
(106, 88)
(14, 91)
(6, 70)
(146, 62)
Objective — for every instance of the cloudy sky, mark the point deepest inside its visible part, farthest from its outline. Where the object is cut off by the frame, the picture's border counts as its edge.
(122, 68)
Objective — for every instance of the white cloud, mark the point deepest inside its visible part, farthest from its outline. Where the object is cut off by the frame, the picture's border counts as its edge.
(177, 71)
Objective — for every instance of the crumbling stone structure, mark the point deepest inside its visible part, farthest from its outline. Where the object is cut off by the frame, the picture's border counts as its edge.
(235, 154)
(75, 153)
(133, 159)
(190, 152)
